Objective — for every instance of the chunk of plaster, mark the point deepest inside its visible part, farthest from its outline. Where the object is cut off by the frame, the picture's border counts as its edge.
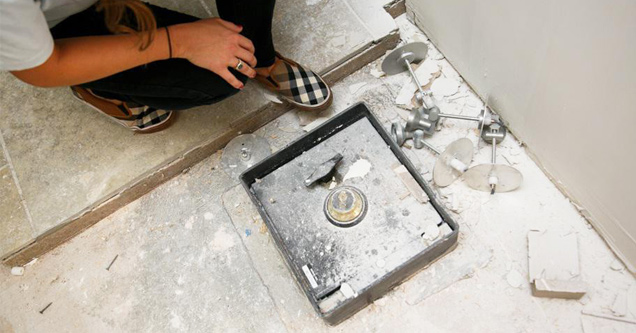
(559, 289)
(17, 271)
(347, 291)
(552, 256)
(445, 87)
(376, 73)
(359, 169)
(553, 265)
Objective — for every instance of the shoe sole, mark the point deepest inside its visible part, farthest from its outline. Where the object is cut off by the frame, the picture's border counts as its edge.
(151, 129)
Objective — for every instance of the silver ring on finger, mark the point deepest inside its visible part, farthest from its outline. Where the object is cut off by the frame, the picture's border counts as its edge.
(239, 66)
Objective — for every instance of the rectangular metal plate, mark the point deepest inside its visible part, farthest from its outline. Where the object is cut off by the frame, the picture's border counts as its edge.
(343, 269)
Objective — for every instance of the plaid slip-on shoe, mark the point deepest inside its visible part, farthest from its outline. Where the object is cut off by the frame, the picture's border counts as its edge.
(142, 119)
(299, 86)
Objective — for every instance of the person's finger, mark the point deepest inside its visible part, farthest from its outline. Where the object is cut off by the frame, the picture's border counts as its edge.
(230, 78)
(247, 70)
(246, 56)
(231, 26)
(245, 43)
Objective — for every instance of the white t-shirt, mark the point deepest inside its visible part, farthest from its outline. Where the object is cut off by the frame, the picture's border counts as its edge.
(25, 39)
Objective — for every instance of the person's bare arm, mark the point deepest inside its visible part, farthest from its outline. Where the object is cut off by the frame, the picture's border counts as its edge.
(84, 59)
(213, 44)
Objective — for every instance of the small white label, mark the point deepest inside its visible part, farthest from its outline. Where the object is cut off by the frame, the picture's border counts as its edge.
(310, 276)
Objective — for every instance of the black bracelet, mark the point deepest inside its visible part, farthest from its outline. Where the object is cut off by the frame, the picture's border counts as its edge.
(169, 42)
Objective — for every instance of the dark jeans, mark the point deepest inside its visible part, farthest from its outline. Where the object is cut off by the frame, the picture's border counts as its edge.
(176, 84)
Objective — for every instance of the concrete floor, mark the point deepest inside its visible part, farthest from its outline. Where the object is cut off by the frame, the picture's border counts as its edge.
(192, 255)
(64, 159)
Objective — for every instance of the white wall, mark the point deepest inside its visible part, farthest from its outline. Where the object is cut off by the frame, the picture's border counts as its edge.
(563, 75)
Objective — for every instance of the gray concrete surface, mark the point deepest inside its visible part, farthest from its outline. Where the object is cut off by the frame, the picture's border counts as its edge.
(14, 228)
(69, 159)
(193, 255)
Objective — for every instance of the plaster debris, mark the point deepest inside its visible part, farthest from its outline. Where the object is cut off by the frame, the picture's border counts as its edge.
(553, 264)
(574, 289)
(514, 278)
(31, 263)
(443, 87)
(347, 291)
(17, 271)
(380, 263)
(449, 71)
(359, 169)
(617, 265)
(272, 98)
(376, 73)
(208, 216)
(425, 73)
(431, 233)
(411, 184)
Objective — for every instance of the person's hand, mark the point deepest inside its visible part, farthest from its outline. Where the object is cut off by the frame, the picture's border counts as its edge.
(214, 44)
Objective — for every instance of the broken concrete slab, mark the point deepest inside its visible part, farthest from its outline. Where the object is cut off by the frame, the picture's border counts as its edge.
(553, 265)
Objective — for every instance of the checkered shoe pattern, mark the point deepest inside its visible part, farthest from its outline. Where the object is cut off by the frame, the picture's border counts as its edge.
(299, 86)
(147, 116)
(305, 86)
(142, 119)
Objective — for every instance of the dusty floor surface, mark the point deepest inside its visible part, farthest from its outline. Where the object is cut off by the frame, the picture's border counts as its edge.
(56, 172)
(193, 255)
